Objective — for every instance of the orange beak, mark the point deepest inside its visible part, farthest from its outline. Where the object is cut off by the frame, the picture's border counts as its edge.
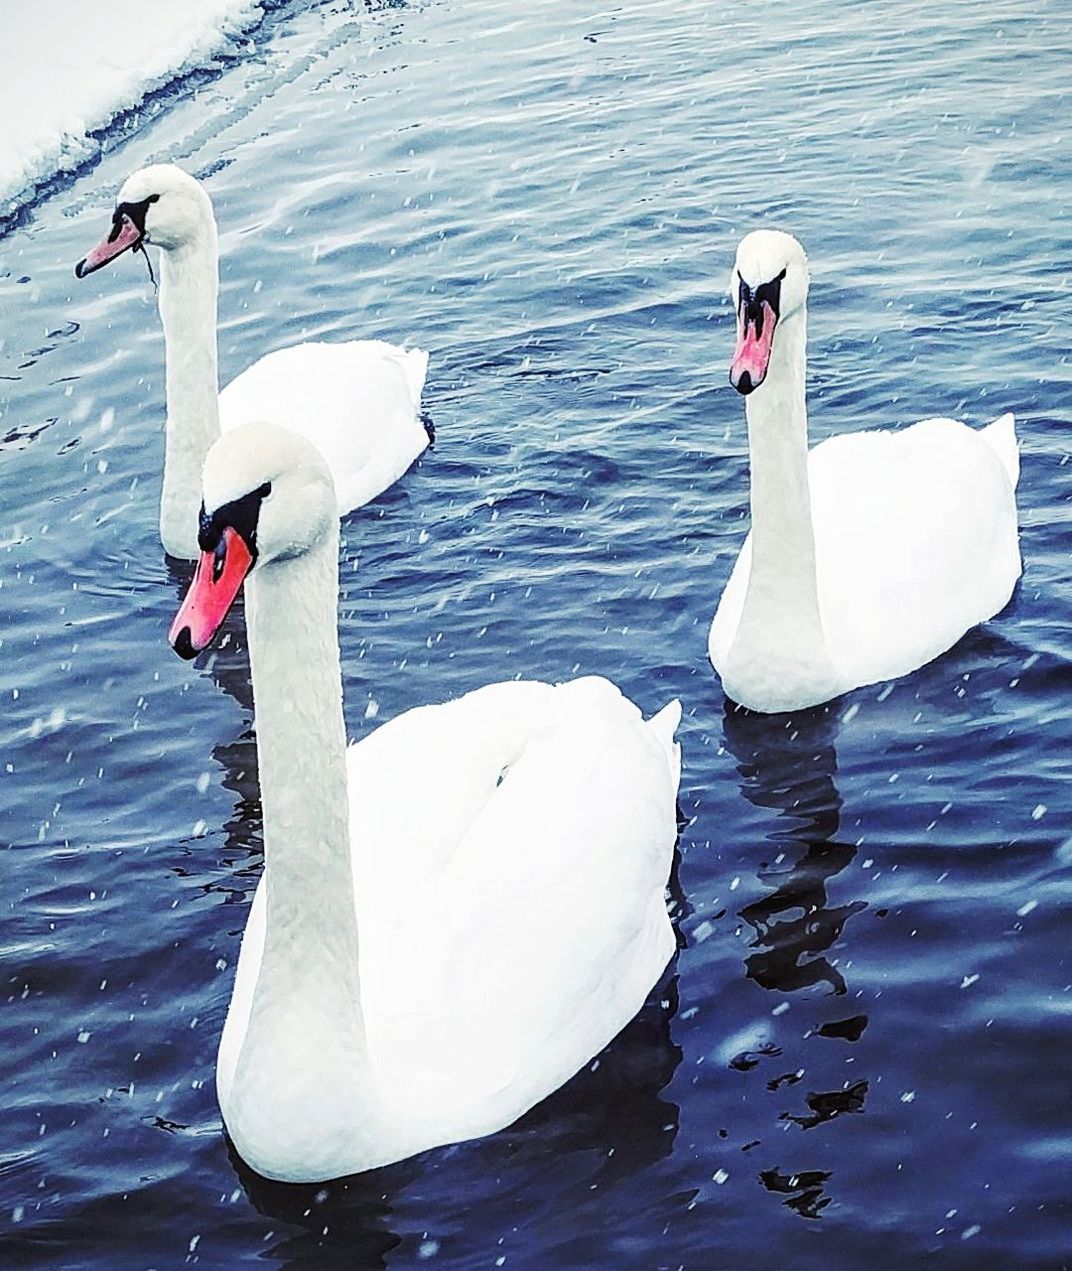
(755, 335)
(125, 234)
(217, 579)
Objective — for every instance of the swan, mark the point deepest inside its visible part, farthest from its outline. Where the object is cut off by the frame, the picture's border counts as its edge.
(357, 401)
(456, 913)
(870, 554)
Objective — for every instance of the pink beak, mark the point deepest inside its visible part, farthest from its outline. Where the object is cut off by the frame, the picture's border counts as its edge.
(218, 577)
(125, 234)
(752, 354)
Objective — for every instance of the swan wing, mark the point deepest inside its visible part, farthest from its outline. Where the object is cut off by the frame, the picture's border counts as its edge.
(916, 541)
(511, 850)
(502, 949)
(358, 402)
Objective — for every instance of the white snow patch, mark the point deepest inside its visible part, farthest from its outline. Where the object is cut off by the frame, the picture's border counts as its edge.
(67, 69)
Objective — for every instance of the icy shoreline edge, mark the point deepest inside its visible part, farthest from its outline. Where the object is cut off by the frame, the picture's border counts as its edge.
(66, 80)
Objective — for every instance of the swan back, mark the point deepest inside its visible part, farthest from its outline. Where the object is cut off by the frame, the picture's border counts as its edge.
(512, 917)
(916, 542)
(358, 402)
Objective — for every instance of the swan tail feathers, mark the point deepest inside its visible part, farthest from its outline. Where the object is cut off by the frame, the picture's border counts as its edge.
(1001, 437)
(415, 367)
(664, 724)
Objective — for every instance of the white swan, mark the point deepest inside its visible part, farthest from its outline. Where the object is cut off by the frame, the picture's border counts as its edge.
(357, 401)
(869, 555)
(456, 913)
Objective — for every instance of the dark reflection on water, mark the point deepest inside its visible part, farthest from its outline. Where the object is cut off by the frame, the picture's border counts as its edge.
(787, 764)
(803, 1192)
(226, 663)
(827, 1105)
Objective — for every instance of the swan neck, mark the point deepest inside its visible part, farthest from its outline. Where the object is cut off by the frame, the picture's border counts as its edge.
(783, 569)
(301, 1103)
(188, 311)
(309, 967)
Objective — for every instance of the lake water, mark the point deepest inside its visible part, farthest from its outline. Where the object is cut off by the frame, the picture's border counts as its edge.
(860, 1056)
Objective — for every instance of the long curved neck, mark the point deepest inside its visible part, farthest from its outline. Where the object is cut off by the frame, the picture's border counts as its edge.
(303, 1086)
(782, 584)
(309, 965)
(188, 289)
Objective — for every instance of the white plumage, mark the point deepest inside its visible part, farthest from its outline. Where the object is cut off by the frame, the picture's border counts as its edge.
(358, 401)
(485, 918)
(877, 550)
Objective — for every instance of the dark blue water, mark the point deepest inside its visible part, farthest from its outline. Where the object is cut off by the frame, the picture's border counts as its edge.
(860, 1056)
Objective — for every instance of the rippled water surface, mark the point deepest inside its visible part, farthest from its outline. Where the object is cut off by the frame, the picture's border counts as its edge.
(860, 1056)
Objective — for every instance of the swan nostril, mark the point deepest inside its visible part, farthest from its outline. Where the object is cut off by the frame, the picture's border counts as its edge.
(184, 645)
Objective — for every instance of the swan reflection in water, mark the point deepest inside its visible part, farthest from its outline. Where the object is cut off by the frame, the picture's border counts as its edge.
(227, 665)
(787, 764)
(579, 1155)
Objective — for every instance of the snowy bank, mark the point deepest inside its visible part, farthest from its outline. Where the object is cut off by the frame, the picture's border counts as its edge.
(68, 68)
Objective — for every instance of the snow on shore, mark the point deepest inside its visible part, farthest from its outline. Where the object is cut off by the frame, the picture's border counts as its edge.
(69, 67)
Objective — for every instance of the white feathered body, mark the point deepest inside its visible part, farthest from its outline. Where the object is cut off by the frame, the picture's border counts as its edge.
(915, 543)
(510, 851)
(357, 401)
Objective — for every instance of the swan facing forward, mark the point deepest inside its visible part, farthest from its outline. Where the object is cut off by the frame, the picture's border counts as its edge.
(871, 554)
(357, 401)
(456, 913)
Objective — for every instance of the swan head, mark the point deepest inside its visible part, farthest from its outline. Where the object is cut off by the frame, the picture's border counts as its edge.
(268, 497)
(769, 284)
(162, 205)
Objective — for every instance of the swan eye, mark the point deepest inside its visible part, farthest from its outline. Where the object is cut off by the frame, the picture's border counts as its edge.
(240, 515)
(781, 275)
(134, 212)
(219, 559)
